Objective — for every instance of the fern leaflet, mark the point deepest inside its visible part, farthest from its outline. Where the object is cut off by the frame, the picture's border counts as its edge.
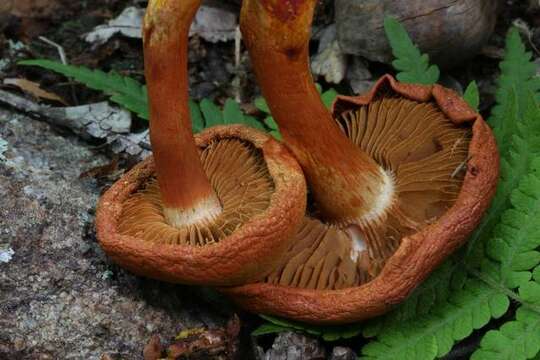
(433, 335)
(130, 94)
(412, 65)
(518, 339)
(517, 237)
(327, 333)
(123, 90)
(471, 95)
(517, 72)
(514, 103)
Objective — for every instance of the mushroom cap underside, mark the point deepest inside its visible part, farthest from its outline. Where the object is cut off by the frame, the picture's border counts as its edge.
(262, 192)
(443, 185)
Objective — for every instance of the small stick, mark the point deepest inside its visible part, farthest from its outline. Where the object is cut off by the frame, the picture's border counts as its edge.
(63, 60)
(237, 61)
(460, 167)
(58, 47)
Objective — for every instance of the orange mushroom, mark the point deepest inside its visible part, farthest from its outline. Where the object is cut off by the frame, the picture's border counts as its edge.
(399, 178)
(216, 210)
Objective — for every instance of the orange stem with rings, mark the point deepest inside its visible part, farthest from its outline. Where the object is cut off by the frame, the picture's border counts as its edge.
(348, 186)
(187, 194)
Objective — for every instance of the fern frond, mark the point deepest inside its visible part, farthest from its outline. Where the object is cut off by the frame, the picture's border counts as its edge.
(518, 339)
(328, 97)
(132, 95)
(124, 91)
(434, 334)
(412, 65)
(517, 237)
(233, 114)
(197, 121)
(515, 164)
(431, 293)
(327, 333)
(472, 96)
(518, 73)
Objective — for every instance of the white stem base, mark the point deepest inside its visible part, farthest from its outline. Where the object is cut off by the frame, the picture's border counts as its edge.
(204, 211)
(384, 201)
(358, 245)
(374, 216)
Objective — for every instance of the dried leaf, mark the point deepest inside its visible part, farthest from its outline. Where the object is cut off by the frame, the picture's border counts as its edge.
(102, 171)
(34, 89)
(128, 23)
(29, 8)
(200, 343)
(153, 349)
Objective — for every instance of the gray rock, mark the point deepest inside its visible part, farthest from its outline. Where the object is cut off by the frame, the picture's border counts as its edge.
(60, 297)
(342, 353)
(329, 62)
(450, 31)
(293, 346)
(359, 76)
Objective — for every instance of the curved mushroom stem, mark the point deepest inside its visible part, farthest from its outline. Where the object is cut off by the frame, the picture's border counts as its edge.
(187, 194)
(347, 185)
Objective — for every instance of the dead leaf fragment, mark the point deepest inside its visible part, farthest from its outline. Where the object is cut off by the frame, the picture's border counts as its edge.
(34, 89)
(102, 171)
(212, 24)
(29, 8)
(128, 23)
(220, 343)
(153, 350)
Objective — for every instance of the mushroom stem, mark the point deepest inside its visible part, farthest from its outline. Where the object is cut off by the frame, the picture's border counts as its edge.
(187, 194)
(348, 186)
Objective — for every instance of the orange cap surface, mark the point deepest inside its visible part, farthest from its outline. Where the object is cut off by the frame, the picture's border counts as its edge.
(246, 255)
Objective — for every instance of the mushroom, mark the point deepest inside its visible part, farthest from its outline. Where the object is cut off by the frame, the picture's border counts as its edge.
(216, 210)
(398, 178)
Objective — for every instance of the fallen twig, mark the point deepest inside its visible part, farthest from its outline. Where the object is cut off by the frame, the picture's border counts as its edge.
(99, 121)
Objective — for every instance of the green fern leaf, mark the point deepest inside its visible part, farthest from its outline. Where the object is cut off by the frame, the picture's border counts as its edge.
(431, 293)
(327, 333)
(515, 245)
(471, 95)
(413, 67)
(211, 113)
(515, 164)
(518, 72)
(124, 91)
(328, 97)
(433, 335)
(515, 340)
(271, 123)
(197, 121)
(269, 328)
(232, 114)
(536, 274)
(517, 236)
(261, 104)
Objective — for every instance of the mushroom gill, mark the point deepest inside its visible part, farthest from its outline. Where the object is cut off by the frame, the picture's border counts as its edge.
(239, 175)
(425, 153)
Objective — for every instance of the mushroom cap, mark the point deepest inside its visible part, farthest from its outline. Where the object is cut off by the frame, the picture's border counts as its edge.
(419, 253)
(245, 255)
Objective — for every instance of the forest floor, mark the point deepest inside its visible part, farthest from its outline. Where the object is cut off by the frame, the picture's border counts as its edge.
(60, 297)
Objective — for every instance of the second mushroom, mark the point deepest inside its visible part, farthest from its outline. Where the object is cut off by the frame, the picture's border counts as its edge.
(216, 210)
(398, 179)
